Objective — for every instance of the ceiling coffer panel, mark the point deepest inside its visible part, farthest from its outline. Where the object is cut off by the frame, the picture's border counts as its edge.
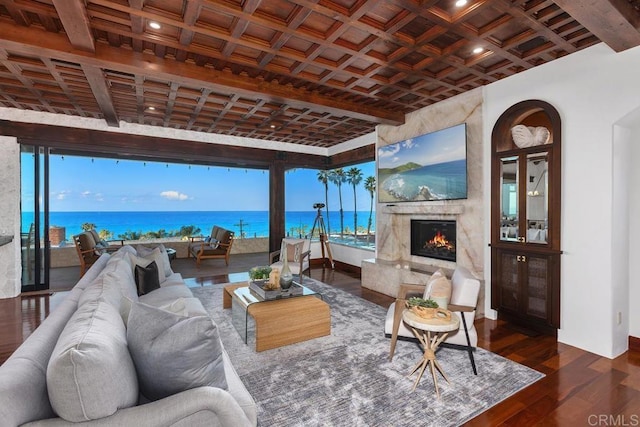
(304, 72)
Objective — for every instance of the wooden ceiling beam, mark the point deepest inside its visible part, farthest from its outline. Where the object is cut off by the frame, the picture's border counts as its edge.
(77, 26)
(16, 13)
(137, 24)
(615, 22)
(142, 147)
(100, 89)
(33, 42)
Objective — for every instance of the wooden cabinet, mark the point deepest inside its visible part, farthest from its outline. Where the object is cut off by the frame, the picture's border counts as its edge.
(525, 216)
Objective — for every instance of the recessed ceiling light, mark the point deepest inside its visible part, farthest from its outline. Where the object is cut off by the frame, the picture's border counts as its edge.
(478, 50)
(155, 25)
(151, 108)
(272, 126)
(461, 3)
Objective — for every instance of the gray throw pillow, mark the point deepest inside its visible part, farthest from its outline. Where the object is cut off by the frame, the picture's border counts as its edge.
(173, 353)
(147, 278)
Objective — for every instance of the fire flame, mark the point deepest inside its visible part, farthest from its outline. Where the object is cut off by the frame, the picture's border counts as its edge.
(439, 241)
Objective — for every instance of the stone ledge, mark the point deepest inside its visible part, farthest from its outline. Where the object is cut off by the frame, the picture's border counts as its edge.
(424, 208)
(385, 276)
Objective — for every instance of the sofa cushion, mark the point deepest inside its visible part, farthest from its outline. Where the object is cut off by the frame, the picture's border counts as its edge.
(90, 374)
(173, 353)
(147, 278)
(146, 251)
(103, 287)
(188, 307)
(166, 295)
(115, 284)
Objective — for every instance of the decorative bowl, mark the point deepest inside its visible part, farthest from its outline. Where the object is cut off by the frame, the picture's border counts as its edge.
(429, 312)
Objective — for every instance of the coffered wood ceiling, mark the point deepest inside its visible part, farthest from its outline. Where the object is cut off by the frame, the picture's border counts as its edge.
(311, 72)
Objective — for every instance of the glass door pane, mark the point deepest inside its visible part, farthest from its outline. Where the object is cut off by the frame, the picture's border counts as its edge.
(509, 199)
(537, 197)
(34, 221)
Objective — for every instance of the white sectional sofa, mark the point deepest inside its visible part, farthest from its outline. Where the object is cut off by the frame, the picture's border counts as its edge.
(106, 356)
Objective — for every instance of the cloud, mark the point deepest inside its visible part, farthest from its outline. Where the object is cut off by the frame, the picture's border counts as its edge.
(408, 143)
(61, 195)
(85, 193)
(174, 195)
(388, 151)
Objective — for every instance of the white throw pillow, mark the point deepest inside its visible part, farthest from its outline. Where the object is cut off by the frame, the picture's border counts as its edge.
(438, 286)
(145, 251)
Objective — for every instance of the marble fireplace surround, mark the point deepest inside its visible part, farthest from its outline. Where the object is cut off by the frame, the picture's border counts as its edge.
(394, 263)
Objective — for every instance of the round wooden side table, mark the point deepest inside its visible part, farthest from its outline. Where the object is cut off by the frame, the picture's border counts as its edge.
(430, 333)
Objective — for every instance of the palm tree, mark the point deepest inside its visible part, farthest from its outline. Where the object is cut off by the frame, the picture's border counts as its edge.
(323, 177)
(370, 186)
(354, 176)
(337, 176)
(88, 226)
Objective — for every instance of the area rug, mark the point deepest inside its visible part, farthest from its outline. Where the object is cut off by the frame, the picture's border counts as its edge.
(346, 379)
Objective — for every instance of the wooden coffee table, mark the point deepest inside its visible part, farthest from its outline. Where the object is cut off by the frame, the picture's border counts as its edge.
(270, 324)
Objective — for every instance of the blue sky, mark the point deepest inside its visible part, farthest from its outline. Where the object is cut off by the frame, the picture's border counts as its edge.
(85, 184)
(445, 145)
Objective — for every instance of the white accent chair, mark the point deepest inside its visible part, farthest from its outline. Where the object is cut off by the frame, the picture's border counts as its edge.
(465, 289)
(299, 256)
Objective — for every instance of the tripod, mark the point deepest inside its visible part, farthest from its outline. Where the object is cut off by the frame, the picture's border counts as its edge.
(324, 241)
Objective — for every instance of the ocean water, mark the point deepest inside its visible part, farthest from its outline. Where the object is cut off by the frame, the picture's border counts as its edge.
(441, 181)
(254, 223)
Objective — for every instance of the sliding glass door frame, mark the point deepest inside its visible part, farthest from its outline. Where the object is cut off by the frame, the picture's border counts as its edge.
(36, 274)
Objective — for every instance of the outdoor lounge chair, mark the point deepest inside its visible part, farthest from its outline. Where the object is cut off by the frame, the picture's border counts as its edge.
(90, 246)
(217, 245)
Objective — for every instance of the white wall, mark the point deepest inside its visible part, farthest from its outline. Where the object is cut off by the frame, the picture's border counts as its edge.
(592, 90)
(10, 269)
(632, 123)
(620, 238)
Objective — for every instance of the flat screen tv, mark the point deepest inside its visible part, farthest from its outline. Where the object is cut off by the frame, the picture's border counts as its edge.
(428, 167)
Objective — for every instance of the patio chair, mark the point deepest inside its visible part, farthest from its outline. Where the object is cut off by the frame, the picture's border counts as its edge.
(90, 246)
(298, 252)
(217, 245)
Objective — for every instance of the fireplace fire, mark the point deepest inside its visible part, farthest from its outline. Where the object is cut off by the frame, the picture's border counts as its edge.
(433, 239)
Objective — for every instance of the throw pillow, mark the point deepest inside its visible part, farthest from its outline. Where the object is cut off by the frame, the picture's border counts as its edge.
(147, 278)
(438, 288)
(90, 374)
(293, 251)
(173, 353)
(144, 261)
(146, 251)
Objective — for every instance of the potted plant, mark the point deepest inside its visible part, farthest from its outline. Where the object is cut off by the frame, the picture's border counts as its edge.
(259, 273)
(427, 308)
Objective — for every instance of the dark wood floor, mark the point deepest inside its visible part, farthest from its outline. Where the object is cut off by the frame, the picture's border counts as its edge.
(579, 389)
